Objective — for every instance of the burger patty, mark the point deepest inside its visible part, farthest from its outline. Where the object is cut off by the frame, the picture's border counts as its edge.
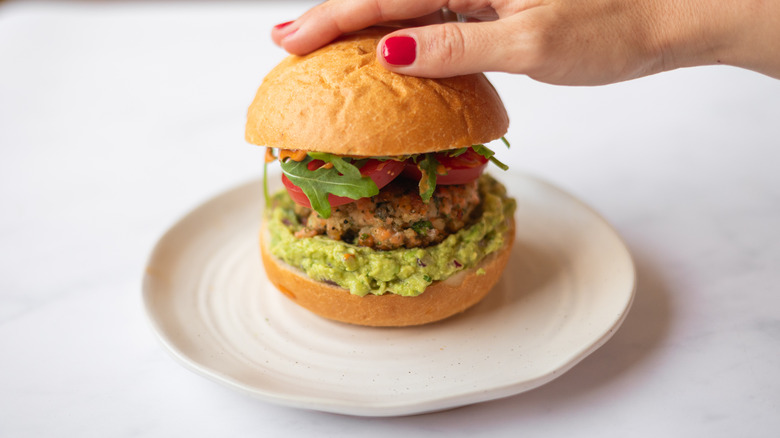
(396, 217)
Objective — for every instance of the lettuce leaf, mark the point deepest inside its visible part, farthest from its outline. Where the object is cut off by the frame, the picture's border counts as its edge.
(266, 194)
(343, 179)
(490, 155)
(428, 166)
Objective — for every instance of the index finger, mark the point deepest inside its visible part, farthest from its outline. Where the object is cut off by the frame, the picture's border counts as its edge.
(326, 21)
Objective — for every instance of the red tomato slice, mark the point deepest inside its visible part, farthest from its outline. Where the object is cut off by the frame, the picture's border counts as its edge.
(381, 172)
(462, 169)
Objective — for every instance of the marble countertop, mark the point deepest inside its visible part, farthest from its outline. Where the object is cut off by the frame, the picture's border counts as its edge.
(117, 118)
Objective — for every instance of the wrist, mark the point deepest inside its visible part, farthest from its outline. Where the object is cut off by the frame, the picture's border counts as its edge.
(757, 43)
(742, 33)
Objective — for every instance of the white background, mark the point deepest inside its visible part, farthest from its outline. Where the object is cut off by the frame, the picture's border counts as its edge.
(117, 118)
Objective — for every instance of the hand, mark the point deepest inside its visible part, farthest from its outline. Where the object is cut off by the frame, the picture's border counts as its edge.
(572, 42)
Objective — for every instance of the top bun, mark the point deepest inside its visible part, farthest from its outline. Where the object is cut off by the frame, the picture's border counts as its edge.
(340, 100)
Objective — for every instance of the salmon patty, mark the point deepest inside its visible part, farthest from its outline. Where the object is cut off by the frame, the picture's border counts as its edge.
(396, 217)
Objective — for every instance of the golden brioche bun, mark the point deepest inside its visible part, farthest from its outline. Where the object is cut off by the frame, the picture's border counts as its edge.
(440, 300)
(340, 100)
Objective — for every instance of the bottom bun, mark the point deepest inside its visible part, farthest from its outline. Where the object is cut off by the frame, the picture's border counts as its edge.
(440, 300)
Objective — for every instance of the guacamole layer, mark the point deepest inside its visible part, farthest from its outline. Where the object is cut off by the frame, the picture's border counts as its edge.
(405, 272)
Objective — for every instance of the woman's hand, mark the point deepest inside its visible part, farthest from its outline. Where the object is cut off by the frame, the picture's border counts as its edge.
(571, 42)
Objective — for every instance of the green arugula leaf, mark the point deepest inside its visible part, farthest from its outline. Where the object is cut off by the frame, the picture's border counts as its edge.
(395, 158)
(489, 154)
(343, 179)
(265, 185)
(427, 165)
(340, 163)
(457, 152)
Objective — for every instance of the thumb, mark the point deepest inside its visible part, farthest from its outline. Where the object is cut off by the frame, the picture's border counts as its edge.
(450, 49)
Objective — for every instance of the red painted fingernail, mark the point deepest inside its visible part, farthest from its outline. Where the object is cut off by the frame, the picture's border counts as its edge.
(283, 25)
(289, 35)
(399, 50)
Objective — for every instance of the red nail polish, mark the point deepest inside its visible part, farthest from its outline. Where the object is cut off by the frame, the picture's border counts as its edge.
(283, 25)
(399, 50)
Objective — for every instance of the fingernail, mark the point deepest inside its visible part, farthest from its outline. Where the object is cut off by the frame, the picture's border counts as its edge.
(289, 35)
(399, 50)
(283, 25)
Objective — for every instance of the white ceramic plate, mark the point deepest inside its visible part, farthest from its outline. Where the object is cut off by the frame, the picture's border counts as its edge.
(568, 286)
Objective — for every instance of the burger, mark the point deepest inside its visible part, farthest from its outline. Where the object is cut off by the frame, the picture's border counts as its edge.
(387, 217)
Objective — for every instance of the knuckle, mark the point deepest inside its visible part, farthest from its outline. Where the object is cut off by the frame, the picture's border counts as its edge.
(450, 45)
(537, 49)
(540, 44)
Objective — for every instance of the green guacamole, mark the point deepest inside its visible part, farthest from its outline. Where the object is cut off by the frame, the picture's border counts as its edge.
(404, 272)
